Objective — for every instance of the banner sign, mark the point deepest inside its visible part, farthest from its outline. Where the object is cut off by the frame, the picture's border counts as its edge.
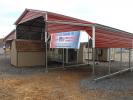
(65, 40)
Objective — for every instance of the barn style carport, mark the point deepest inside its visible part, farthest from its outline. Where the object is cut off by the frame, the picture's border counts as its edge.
(42, 23)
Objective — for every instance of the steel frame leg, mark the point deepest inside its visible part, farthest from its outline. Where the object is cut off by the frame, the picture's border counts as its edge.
(130, 59)
(93, 67)
(109, 71)
(63, 59)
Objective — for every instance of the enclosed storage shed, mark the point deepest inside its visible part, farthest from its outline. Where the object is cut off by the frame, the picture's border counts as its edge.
(8, 41)
(27, 53)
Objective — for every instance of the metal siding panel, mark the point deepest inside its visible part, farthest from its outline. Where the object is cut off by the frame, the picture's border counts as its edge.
(106, 40)
(63, 28)
(66, 19)
(122, 34)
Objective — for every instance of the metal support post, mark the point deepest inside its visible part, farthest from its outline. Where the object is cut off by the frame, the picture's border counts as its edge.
(46, 61)
(93, 53)
(129, 58)
(96, 50)
(109, 71)
(121, 57)
(67, 55)
(88, 49)
(46, 33)
(88, 56)
(93, 36)
(63, 58)
(93, 46)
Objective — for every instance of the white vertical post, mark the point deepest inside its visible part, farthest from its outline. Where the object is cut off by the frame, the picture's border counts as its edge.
(132, 54)
(121, 57)
(93, 46)
(88, 49)
(93, 53)
(63, 57)
(46, 33)
(129, 58)
(109, 71)
(93, 36)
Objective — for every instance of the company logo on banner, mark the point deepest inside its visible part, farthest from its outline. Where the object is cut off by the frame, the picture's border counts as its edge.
(65, 40)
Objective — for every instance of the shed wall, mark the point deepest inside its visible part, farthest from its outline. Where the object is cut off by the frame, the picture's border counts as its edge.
(13, 53)
(31, 59)
(21, 56)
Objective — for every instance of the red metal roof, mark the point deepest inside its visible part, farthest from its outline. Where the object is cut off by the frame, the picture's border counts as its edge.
(10, 36)
(29, 14)
(106, 37)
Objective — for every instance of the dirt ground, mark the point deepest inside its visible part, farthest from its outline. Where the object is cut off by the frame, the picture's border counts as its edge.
(16, 84)
(51, 86)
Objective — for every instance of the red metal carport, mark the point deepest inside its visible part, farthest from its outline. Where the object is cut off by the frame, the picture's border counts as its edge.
(102, 36)
(105, 37)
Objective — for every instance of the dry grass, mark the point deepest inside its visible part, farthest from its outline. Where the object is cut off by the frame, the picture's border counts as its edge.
(51, 86)
(56, 85)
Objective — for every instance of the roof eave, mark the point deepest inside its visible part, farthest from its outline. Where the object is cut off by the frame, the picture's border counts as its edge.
(5, 38)
(111, 28)
(21, 16)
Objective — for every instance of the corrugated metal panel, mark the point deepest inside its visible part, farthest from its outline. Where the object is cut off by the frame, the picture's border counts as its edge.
(58, 17)
(117, 33)
(54, 28)
(108, 40)
(30, 14)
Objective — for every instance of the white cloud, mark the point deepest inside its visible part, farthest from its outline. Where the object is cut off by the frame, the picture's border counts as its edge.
(115, 13)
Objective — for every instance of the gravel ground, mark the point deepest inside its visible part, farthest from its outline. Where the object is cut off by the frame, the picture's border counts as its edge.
(69, 84)
(7, 68)
(123, 82)
(120, 82)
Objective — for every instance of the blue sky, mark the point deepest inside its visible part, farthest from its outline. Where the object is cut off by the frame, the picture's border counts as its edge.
(114, 13)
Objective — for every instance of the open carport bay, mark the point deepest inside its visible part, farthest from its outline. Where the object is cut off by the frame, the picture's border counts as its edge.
(70, 84)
